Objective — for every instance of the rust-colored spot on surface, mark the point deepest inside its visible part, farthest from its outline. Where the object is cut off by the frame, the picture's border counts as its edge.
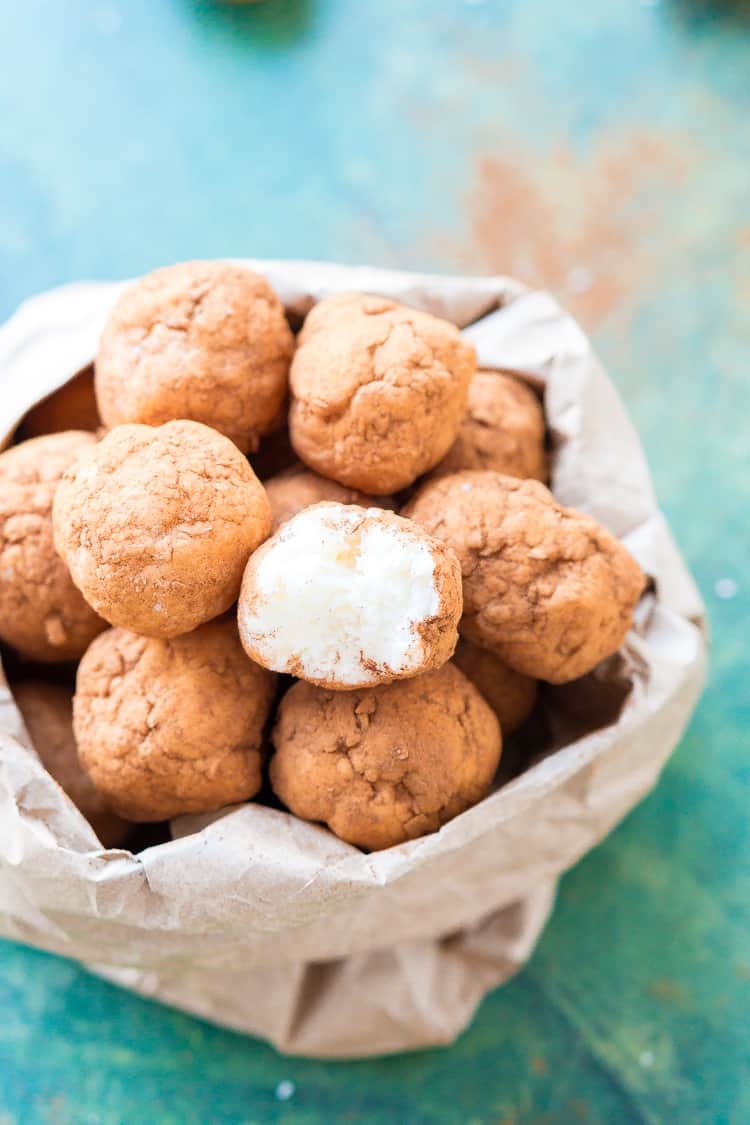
(587, 228)
(579, 1109)
(668, 991)
(539, 1065)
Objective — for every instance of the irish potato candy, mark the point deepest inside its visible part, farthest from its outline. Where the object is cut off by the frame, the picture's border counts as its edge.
(42, 614)
(156, 525)
(393, 725)
(546, 589)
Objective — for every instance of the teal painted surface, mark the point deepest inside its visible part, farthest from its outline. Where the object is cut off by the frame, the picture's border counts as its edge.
(535, 138)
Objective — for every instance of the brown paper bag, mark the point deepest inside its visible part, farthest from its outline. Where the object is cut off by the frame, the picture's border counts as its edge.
(263, 923)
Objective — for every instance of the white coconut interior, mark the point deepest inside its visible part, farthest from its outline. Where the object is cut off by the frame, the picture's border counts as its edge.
(334, 594)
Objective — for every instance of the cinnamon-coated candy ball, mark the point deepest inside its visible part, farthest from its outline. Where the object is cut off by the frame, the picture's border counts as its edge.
(546, 588)
(387, 764)
(503, 429)
(378, 391)
(346, 596)
(201, 340)
(42, 614)
(156, 525)
(510, 694)
(297, 488)
(166, 727)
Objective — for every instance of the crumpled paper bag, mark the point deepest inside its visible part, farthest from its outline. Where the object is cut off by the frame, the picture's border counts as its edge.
(272, 926)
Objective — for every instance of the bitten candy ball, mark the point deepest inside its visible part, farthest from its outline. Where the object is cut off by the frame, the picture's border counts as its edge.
(298, 488)
(510, 694)
(47, 711)
(503, 429)
(206, 341)
(42, 614)
(545, 588)
(156, 525)
(378, 391)
(347, 597)
(388, 764)
(166, 727)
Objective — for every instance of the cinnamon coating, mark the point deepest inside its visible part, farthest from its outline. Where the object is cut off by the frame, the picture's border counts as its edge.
(546, 588)
(166, 727)
(291, 491)
(206, 341)
(388, 764)
(503, 429)
(378, 391)
(156, 525)
(510, 694)
(42, 614)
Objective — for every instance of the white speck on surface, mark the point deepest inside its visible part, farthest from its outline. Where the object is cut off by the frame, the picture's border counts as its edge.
(725, 588)
(646, 1058)
(579, 280)
(466, 486)
(285, 1090)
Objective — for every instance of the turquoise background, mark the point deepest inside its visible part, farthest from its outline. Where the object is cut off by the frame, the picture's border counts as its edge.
(602, 150)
